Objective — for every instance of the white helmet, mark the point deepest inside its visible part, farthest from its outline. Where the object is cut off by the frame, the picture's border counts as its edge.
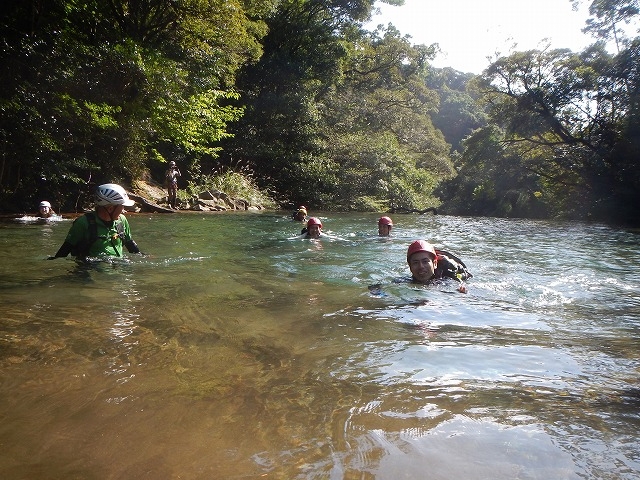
(112, 194)
(44, 203)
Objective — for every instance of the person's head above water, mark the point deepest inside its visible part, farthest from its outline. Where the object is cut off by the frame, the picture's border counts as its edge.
(385, 224)
(45, 209)
(422, 260)
(301, 214)
(314, 227)
(111, 200)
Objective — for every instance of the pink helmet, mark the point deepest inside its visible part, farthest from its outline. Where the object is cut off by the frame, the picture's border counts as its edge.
(420, 246)
(314, 221)
(385, 221)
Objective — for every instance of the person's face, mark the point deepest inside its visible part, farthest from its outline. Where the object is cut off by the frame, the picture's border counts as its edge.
(117, 210)
(111, 212)
(384, 230)
(45, 211)
(300, 216)
(313, 231)
(422, 266)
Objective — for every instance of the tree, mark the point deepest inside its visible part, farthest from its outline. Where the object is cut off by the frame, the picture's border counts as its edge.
(282, 92)
(378, 126)
(608, 19)
(562, 114)
(96, 91)
(338, 117)
(459, 112)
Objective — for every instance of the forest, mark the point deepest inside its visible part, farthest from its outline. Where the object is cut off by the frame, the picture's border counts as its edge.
(305, 103)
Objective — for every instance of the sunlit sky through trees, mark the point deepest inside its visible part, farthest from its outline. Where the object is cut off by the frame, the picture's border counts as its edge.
(469, 31)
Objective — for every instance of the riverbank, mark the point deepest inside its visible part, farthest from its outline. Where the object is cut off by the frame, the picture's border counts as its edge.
(151, 197)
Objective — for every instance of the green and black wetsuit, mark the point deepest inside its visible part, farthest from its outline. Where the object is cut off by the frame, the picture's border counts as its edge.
(90, 236)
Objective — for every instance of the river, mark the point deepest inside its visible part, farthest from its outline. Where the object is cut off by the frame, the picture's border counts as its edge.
(232, 351)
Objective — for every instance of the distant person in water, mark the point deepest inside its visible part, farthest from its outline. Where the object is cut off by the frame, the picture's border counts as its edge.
(45, 210)
(427, 265)
(171, 179)
(103, 232)
(314, 230)
(300, 215)
(385, 224)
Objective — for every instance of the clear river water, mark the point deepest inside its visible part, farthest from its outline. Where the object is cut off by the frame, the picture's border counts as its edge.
(232, 351)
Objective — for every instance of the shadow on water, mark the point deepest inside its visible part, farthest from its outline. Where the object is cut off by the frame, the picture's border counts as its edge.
(234, 352)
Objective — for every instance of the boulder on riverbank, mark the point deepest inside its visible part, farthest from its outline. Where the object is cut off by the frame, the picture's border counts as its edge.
(151, 197)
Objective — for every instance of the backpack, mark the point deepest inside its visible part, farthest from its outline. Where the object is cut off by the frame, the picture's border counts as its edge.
(449, 265)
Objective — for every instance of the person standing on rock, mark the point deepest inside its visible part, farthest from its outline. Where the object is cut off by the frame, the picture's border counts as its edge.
(171, 178)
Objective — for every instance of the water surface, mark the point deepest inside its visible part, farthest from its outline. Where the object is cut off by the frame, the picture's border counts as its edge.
(231, 351)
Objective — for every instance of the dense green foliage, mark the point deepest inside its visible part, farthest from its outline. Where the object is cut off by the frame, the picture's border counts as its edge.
(309, 106)
(340, 124)
(96, 91)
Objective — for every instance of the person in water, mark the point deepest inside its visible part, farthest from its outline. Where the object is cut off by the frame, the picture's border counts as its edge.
(314, 230)
(385, 224)
(300, 215)
(45, 210)
(171, 178)
(104, 231)
(427, 265)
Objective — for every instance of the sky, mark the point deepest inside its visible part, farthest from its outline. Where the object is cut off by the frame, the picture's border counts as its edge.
(469, 31)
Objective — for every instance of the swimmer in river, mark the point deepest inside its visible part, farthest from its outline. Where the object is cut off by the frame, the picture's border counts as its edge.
(300, 215)
(385, 224)
(313, 230)
(45, 210)
(426, 265)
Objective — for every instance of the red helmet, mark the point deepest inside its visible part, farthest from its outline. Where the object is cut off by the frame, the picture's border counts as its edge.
(314, 221)
(385, 221)
(420, 246)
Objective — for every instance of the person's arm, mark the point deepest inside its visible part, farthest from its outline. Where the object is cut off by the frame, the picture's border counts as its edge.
(64, 250)
(298, 237)
(332, 237)
(132, 246)
(128, 242)
(75, 235)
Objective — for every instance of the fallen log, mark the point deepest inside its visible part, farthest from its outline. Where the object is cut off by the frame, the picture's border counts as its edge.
(149, 206)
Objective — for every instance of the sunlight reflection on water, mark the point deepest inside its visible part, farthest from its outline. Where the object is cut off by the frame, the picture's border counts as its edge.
(232, 352)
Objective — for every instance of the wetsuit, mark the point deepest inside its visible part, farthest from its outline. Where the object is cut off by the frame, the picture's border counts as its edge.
(90, 236)
(449, 266)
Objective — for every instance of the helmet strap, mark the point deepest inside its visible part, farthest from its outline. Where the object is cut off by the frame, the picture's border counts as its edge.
(105, 212)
